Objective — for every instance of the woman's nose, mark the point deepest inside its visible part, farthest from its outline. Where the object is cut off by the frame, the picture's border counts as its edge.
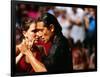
(39, 34)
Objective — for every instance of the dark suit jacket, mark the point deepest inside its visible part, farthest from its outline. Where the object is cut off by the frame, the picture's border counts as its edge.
(59, 59)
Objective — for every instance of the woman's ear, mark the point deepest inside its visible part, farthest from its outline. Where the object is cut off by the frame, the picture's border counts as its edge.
(51, 28)
(24, 33)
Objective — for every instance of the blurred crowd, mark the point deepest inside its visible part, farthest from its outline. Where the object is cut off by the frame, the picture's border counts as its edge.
(78, 26)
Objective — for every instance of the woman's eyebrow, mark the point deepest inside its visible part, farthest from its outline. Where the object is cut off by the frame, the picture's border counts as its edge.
(35, 30)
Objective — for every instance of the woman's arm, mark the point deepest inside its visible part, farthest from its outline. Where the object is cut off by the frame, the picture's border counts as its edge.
(17, 50)
(18, 57)
(36, 65)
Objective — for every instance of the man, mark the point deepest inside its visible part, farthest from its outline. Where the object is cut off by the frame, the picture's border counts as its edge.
(57, 57)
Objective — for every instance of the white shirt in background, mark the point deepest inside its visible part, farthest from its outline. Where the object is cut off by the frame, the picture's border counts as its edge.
(78, 32)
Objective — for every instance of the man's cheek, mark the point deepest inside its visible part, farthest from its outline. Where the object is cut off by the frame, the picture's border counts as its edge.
(45, 34)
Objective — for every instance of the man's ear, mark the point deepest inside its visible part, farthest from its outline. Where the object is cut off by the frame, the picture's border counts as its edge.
(24, 33)
(51, 28)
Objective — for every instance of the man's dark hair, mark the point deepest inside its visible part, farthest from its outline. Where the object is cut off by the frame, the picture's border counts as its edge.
(49, 19)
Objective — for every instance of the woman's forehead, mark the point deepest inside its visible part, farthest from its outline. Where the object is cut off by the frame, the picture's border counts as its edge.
(32, 26)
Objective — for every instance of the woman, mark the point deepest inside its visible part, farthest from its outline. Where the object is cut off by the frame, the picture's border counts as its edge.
(27, 55)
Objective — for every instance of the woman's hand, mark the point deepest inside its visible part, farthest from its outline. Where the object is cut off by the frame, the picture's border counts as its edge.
(23, 47)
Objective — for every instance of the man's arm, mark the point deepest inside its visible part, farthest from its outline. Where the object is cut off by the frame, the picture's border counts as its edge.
(86, 22)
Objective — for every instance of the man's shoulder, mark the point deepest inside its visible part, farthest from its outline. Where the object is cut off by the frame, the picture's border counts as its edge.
(63, 40)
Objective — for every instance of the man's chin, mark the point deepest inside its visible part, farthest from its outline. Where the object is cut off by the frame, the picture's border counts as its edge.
(45, 41)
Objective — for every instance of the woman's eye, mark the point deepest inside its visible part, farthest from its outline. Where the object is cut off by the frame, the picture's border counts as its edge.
(34, 31)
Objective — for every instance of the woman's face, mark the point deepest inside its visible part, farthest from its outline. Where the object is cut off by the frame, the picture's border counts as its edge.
(30, 33)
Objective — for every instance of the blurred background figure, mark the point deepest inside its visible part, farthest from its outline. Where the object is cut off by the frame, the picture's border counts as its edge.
(18, 35)
(33, 12)
(77, 32)
(90, 38)
(64, 21)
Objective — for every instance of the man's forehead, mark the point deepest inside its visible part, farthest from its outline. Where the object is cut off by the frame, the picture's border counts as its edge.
(40, 25)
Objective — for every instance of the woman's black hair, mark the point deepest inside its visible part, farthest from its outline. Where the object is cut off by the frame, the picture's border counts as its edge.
(26, 22)
(49, 19)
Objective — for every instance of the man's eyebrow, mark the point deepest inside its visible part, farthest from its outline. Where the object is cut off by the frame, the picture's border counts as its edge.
(39, 29)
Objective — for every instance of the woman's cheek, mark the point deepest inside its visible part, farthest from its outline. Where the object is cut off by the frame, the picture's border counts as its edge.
(33, 35)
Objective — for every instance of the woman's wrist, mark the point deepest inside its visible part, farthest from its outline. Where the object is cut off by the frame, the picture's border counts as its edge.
(28, 53)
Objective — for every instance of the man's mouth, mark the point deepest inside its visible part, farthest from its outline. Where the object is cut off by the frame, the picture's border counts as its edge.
(43, 39)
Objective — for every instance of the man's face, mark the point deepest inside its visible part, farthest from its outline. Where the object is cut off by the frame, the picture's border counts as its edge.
(43, 32)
